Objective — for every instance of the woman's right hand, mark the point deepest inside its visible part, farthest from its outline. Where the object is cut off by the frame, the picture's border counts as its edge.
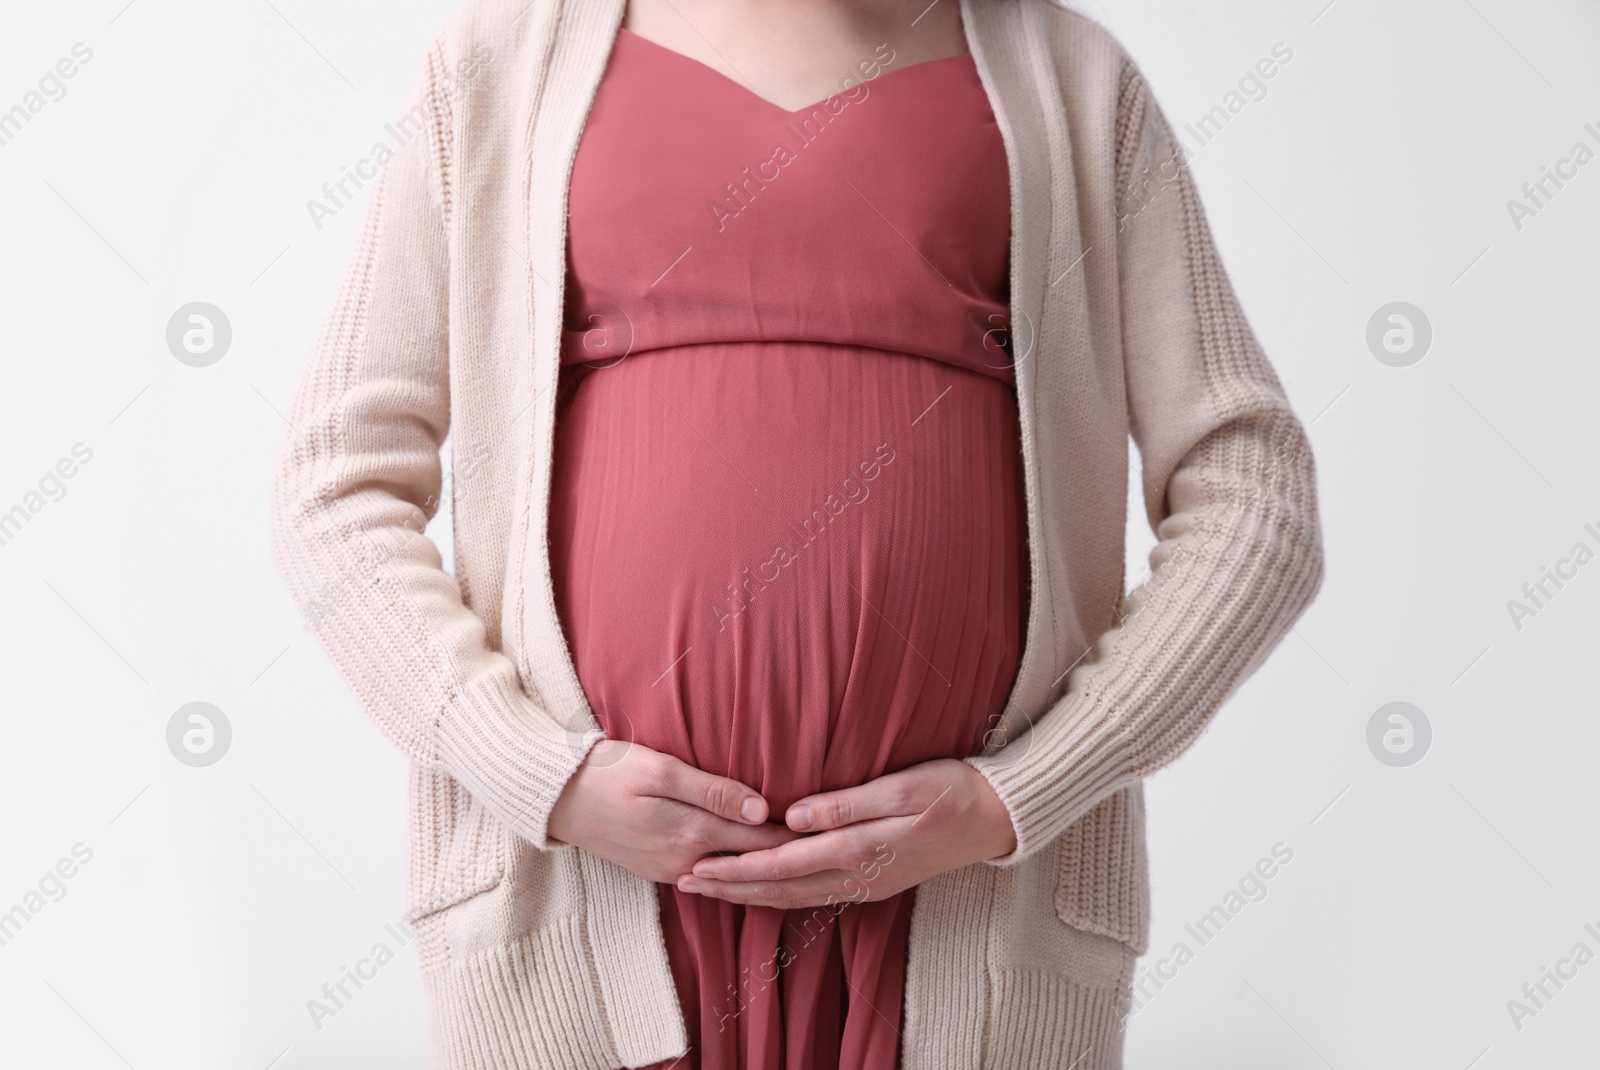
(657, 816)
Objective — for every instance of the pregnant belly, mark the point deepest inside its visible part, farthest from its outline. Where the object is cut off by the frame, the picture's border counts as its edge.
(794, 564)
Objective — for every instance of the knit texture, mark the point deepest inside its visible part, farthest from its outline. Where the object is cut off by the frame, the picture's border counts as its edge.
(538, 955)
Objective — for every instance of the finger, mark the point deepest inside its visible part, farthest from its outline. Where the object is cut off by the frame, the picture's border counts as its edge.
(816, 889)
(722, 796)
(887, 796)
(797, 858)
(720, 834)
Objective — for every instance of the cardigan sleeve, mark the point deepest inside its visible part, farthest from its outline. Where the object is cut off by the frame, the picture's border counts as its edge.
(1229, 488)
(357, 478)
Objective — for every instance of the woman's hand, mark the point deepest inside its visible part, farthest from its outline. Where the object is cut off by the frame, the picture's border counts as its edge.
(868, 843)
(656, 815)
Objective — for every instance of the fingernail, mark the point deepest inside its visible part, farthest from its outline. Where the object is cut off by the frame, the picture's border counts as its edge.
(693, 887)
(800, 817)
(751, 809)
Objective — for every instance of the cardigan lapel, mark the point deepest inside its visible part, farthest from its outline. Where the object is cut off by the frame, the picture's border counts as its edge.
(567, 49)
(1009, 56)
(576, 38)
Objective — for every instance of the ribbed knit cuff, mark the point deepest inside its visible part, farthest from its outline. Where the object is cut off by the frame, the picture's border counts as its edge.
(1158, 678)
(511, 755)
(1047, 779)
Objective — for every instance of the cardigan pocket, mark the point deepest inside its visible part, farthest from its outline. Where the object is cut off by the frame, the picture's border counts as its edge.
(1102, 877)
(458, 849)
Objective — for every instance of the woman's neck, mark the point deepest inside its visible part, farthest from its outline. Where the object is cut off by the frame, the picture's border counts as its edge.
(793, 52)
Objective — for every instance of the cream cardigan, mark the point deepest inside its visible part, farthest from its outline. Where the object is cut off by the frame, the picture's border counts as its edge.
(540, 955)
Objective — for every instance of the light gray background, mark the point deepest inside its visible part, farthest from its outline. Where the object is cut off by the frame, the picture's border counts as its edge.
(219, 900)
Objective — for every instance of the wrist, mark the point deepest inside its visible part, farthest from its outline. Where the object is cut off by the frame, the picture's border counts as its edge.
(560, 828)
(1000, 837)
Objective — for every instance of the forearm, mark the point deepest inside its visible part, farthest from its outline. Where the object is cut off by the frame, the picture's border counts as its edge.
(1231, 574)
(1230, 490)
(358, 478)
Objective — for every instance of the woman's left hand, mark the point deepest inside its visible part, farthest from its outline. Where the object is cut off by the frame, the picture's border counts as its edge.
(867, 843)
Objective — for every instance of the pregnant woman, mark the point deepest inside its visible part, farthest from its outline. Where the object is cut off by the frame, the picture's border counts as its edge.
(784, 709)
(786, 526)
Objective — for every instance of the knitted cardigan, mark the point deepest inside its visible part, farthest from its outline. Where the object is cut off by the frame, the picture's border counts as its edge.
(537, 954)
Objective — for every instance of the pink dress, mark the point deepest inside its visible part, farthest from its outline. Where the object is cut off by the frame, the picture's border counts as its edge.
(786, 525)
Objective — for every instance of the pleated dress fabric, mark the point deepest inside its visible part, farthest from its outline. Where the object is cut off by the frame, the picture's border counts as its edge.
(786, 522)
